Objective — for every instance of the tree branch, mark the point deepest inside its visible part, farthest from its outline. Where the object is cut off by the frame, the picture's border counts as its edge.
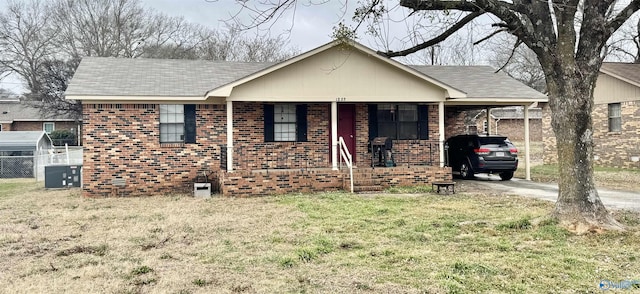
(513, 52)
(460, 24)
(490, 35)
(620, 19)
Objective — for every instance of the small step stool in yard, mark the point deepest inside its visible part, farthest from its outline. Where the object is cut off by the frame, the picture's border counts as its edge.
(447, 187)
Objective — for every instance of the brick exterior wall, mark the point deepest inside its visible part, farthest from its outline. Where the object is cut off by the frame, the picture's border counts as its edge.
(6, 127)
(248, 183)
(611, 149)
(455, 122)
(252, 152)
(123, 141)
(514, 129)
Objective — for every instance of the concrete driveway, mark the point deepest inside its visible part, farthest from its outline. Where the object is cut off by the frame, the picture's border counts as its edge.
(549, 191)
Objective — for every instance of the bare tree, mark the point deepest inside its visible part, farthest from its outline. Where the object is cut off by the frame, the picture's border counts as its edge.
(518, 61)
(43, 41)
(101, 28)
(568, 38)
(625, 46)
(26, 41)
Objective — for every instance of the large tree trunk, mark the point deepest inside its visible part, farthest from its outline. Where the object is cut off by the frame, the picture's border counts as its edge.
(571, 100)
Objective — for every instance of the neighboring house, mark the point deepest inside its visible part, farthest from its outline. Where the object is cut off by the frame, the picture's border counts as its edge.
(154, 126)
(616, 118)
(506, 121)
(16, 115)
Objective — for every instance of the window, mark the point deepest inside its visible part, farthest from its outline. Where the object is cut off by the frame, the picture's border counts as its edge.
(398, 121)
(615, 117)
(177, 123)
(49, 127)
(485, 128)
(285, 123)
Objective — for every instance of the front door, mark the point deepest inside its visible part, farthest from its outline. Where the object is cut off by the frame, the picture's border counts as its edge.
(347, 126)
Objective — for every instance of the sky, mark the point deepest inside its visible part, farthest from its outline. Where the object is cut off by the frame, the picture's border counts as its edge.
(305, 27)
(310, 25)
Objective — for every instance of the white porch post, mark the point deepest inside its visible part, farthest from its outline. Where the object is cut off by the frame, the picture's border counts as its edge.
(488, 112)
(229, 136)
(334, 135)
(441, 131)
(527, 158)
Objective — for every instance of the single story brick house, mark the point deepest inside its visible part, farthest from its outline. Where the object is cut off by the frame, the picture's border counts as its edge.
(616, 118)
(267, 128)
(17, 115)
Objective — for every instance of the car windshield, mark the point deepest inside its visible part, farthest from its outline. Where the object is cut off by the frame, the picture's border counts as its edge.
(493, 140)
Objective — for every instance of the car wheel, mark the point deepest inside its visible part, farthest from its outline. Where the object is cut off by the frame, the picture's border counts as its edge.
(466, 171)
(505, 176)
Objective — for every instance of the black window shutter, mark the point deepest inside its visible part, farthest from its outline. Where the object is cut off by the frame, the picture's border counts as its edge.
(373, 121)
(301, 123)
(423, 122)
(268, 122)
(190, 123)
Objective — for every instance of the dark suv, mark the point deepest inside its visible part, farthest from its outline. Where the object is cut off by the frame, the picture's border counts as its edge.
(471, 154)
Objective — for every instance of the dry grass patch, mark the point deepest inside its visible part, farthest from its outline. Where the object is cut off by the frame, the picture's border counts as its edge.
(56, 241)
(610, 178)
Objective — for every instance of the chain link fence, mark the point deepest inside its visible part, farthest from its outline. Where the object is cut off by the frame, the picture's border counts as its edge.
(33, 166)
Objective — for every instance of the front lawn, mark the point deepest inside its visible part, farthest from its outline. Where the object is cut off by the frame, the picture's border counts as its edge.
(56, 241)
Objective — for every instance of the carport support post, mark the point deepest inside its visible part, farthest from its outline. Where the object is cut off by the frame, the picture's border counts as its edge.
(441, 131)
(488, 112)
(334, 135)
(229, 136)
(527, 158)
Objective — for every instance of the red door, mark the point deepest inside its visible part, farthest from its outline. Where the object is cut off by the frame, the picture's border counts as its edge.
(347, 127)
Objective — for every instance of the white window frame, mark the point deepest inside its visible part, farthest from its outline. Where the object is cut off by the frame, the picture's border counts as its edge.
(53, 127)
(284, 122)
(171, 123)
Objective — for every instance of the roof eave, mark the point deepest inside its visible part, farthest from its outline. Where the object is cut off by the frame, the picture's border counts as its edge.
(619, 77)
(134, 98)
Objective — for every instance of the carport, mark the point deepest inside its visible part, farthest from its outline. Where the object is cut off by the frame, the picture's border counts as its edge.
(484, 90)
(22, 153)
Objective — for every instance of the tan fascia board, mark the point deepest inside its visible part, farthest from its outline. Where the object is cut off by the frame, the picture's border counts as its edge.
(619, 77)
(225, 90)
(113, 99)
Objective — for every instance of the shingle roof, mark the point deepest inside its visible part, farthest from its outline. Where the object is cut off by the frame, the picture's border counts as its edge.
(14, 110)
(106, 76)
(479, 81)
(100, 76)
(629, 71)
